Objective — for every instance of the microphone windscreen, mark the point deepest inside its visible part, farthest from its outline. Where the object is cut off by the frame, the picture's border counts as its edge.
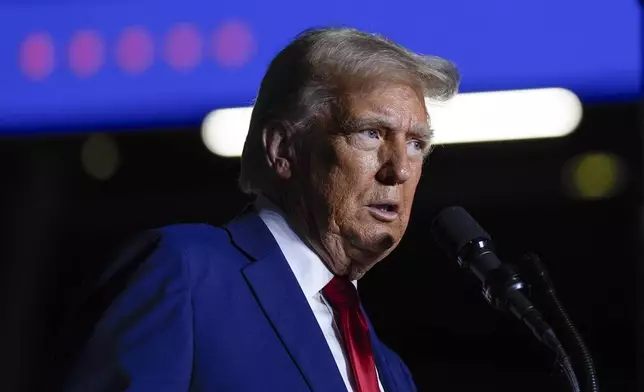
(454, 228)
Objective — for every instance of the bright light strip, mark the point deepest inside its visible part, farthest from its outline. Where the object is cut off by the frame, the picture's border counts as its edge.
(467, 118)
(224, 131)
(506, 115)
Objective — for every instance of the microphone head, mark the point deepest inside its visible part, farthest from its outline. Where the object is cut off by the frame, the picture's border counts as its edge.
(454, 228)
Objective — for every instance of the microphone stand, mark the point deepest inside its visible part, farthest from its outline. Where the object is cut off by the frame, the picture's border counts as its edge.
(583, 360)
(505, 290)
(565, 363)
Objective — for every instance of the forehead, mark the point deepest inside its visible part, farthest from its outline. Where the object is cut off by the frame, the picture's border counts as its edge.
(399, 105)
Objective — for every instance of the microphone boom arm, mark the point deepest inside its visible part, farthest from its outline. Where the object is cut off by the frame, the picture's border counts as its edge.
(463, 239)
(503, 288)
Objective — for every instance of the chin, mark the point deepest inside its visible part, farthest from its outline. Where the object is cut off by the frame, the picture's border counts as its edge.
(357, 272)
(364, 261)
(379, 238)
(370, 251)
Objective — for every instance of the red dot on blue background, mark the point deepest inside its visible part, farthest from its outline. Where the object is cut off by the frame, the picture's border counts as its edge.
(36, 58)
(135, 50)
(86, 53)
(233, 44)
(183, 47)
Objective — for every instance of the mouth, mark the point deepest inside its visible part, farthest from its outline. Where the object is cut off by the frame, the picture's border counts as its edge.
(385, 211)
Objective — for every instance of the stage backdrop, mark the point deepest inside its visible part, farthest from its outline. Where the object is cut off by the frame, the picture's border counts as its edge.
(72, 64)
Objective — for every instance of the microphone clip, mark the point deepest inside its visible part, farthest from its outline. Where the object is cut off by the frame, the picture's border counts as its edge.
(500, 284)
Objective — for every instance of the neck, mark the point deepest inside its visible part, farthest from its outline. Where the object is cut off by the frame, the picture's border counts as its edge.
(303, 223)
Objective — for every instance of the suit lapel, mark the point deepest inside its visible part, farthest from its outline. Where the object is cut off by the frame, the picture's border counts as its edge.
(280, 296)
(384, 369)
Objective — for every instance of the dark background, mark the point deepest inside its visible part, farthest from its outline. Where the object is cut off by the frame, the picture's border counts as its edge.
(58, 227)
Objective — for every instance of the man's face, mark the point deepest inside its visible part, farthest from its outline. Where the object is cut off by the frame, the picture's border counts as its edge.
(361, 177)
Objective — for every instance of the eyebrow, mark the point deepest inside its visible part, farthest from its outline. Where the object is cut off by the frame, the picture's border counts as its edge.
(422, 131)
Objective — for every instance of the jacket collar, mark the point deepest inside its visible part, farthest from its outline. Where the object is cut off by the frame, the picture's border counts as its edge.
(278, 293)
(282, 300)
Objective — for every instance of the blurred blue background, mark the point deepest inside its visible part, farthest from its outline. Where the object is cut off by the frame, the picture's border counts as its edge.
(101, 106)
(107, 63)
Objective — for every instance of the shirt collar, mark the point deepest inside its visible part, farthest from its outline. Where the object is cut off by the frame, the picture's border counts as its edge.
(309, 269)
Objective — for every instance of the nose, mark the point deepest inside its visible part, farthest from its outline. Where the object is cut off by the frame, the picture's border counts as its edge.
(396, 168)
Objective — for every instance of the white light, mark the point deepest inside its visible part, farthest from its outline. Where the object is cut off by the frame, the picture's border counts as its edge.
(505, 115)
(224, 131)
(467, 118)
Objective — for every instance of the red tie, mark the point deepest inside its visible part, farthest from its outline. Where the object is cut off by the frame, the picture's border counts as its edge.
(343, 297)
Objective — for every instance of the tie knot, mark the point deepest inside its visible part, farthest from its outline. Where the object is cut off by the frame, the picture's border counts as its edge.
(341, 293)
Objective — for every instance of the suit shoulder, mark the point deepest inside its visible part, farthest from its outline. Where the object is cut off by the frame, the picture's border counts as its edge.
(180, 248)
(197, 243)
(203, 248)
(193, 236)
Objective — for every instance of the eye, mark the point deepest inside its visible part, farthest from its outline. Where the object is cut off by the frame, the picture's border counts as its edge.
(368, 139)
(370, 133)
(416, 147)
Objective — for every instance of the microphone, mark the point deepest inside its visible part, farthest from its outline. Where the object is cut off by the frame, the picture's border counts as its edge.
(462, 239)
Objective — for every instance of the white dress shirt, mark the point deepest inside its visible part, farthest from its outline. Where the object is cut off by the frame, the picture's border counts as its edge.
(312, 275)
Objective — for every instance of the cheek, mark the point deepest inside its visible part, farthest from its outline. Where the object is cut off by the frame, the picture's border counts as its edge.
(358, 164)
(320, 171)
(409, 188)
(348, 184)
(357, 173)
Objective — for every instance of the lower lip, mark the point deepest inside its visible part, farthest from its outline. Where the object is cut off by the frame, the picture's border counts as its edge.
(384, 216)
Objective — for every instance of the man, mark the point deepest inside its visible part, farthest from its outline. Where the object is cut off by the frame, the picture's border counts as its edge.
(337, 140)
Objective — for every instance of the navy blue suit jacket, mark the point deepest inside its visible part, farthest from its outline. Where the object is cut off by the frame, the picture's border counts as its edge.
(214, 309)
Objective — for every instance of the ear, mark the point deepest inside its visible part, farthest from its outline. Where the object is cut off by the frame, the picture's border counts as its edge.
(278, 150)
